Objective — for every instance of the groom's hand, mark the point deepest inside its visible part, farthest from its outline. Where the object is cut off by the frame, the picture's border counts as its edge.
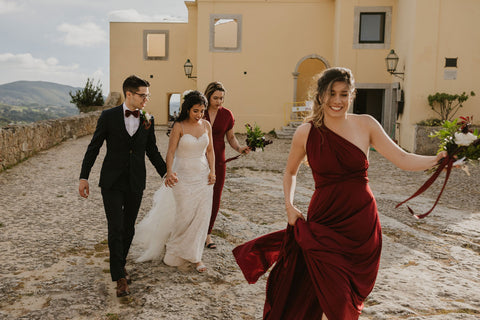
(83, 188)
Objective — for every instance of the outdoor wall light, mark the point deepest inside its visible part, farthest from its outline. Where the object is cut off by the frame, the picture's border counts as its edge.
(188, 67)
(392, 62)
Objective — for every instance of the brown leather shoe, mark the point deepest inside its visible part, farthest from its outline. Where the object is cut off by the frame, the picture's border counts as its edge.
(122, 288)
(127, 276)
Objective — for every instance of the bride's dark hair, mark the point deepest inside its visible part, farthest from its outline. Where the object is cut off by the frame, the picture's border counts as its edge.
(189, 100)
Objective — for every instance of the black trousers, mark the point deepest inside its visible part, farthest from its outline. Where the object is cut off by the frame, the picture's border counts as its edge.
(121, 208)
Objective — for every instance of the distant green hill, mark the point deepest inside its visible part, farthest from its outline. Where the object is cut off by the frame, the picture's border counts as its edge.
(30, 101)
(36, 93)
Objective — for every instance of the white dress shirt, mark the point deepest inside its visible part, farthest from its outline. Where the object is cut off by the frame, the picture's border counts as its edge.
(131, 123)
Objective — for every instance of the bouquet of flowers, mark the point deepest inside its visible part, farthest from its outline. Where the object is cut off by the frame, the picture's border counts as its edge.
(255, 139)
(458, 139)
(461, 143)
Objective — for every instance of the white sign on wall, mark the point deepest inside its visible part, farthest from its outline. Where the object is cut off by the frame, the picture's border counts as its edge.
(449, 74)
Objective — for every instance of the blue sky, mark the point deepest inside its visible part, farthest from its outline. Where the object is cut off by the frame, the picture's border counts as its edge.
(67, 41)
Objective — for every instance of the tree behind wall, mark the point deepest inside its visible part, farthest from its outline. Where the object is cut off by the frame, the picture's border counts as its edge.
(446, 105)
(87, 97)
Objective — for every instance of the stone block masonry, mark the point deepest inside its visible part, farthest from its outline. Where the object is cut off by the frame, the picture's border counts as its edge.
(19, 142)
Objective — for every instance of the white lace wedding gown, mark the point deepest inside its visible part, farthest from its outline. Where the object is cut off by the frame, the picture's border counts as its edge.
(179, 218)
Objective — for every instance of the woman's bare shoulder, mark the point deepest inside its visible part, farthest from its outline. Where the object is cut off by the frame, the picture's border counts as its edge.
(304, 127)
(302, 131)
(362, 118)
(364, 121)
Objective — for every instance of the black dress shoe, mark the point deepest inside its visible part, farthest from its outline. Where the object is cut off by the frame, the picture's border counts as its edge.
(127, 276)
(122, 288)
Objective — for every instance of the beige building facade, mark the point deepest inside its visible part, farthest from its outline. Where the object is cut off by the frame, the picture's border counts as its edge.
(267, 53)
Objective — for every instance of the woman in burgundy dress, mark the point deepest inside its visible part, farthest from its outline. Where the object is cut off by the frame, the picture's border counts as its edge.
(222, 122)
(326, 264)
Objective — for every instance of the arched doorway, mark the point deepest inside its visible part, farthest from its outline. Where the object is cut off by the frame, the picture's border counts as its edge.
(307, 71)
(304, 78)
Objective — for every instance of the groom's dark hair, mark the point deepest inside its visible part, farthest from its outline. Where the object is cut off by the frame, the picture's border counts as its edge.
(132, 84)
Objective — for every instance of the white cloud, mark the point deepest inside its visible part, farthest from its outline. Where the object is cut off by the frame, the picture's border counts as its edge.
(26, 67)
(7, 6)
(26, 61)
(132, 15)
(83, 35)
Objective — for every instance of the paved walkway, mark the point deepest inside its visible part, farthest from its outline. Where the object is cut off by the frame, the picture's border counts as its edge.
(54, 256)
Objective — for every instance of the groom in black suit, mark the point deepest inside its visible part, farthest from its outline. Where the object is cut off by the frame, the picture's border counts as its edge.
(129, 134)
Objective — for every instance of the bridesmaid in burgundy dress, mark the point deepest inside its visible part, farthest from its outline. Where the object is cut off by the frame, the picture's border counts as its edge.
(222, 122)
(326, 264)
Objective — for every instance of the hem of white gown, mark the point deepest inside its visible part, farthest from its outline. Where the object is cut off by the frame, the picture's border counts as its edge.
(175, 261)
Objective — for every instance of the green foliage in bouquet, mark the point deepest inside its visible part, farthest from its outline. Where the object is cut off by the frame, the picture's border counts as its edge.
(458, 139)
(256, 138)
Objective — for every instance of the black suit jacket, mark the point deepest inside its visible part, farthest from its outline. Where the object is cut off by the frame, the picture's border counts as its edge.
(125, 153)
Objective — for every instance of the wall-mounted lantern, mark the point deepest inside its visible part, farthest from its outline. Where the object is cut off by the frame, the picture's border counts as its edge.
(392, 62)
(188, 67)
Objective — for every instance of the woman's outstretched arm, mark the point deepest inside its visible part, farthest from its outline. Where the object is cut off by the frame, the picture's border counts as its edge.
(399, 157)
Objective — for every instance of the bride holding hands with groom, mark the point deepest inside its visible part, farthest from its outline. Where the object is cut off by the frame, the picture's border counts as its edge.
(182, 206)
(177, 224)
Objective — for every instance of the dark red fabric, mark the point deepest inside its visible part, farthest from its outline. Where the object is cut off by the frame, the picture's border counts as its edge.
(445, 163)
(329, 263)
(224, 121)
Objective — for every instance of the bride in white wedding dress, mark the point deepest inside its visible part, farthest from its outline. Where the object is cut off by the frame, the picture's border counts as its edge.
(177, 224)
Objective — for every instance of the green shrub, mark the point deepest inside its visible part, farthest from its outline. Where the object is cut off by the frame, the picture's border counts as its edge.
(432, 122)
(87, 97)
(446, 105)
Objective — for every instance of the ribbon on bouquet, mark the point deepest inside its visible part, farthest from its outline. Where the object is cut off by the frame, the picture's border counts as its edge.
(445, 162)
(233, 158)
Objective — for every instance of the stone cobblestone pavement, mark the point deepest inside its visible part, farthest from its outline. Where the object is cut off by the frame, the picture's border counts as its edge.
(54, 256)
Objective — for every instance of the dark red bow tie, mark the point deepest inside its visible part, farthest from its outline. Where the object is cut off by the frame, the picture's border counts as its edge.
(135, 113)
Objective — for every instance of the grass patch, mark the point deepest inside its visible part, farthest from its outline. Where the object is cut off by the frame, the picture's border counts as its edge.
(101, 254)
(101, 246)
(112, 316)
(1, 225)
(436, 312)
(19, 286)
(219, 233)
(76, 251)
(225, 214)
(47, 302)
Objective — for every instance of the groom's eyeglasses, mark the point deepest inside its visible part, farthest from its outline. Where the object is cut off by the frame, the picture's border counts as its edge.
(143, 95)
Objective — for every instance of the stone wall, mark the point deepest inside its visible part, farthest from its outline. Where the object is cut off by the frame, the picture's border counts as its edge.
(423, 143)
(18, 142)
(426, 145)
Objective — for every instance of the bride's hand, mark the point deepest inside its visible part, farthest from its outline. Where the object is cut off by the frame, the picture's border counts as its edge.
(211, 179)
(293, 214)
(171, 179)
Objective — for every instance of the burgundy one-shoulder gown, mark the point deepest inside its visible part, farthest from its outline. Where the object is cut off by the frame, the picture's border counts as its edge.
(329, 263)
